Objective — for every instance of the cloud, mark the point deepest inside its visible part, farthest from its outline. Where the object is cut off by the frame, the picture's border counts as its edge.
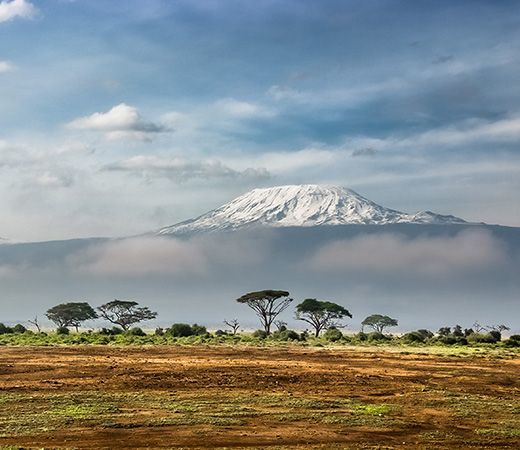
(243, 110)
(197, 257)
(180, 170)
(365, 151)
(10, 10)
(6, 66)
(393, 254)
(122, 122)
(52, 180)
(141, 256)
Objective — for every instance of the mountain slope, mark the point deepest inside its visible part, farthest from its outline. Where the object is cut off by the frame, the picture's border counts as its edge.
(301, 206)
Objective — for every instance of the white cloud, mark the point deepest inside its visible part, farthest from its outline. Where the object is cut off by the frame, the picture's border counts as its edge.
(141, 256)
(6, 66)
(122, 122)
(468, 251)
(10, 10)
(242, 110)
(180, 169)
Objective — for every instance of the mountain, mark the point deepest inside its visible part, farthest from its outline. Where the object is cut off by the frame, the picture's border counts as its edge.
(301, 206)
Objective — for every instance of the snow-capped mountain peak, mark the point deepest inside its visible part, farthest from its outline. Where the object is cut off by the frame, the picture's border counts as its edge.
(301, 206)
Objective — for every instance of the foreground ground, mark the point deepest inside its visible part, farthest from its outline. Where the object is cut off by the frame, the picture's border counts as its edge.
(206, 397)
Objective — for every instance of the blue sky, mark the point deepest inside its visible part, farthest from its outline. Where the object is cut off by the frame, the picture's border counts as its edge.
(120, 117)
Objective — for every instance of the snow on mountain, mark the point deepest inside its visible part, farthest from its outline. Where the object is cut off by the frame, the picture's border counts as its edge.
(301, 206)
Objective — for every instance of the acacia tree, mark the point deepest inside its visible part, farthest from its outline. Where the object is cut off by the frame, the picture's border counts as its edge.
(379, 322)
(233, 324)
(320, 314)
(125, 313)
(267, 305)
(71, 314)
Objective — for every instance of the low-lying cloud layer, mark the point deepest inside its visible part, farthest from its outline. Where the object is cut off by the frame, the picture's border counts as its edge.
(470, 251)
(422, 277)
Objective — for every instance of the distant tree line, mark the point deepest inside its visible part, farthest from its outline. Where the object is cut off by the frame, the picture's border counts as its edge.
(324, 317)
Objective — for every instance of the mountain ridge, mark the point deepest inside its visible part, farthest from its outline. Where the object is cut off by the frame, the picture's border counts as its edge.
(301, 206)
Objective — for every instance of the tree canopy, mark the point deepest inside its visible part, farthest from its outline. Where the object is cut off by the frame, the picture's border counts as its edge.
(267, 304)
(71, 314)
(125, 313)
(320, 314)
(379, 322)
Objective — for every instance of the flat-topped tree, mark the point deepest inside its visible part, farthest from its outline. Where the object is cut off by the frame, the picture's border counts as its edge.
(267, 305)
(71, 314)
(379, 322)
(321, 314)
(125, 313)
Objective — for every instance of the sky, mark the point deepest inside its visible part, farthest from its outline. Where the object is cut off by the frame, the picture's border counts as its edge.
(117, 118)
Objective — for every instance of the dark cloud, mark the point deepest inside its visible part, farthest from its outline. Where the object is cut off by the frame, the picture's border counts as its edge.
(366, 151)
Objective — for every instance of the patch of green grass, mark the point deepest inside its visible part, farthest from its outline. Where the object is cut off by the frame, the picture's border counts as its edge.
(506, 432)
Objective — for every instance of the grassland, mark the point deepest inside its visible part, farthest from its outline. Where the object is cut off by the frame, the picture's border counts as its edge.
(220, 396)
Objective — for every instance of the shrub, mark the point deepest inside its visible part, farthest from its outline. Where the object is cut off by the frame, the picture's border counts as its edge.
(286, 335)
(180, 330)
(377, 337)
(19, 328)
(417, 336)
(332, 334)
(62, 330)
(260, 334)
(482, 338)
(220, 333)
(135, 331)
(198, 330)
(412, 337)
(159, 331)
(361, 336)
(4, 329)
(114, 331)
(513, 341)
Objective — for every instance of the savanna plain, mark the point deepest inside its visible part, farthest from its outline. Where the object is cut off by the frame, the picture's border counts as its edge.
(258, 396)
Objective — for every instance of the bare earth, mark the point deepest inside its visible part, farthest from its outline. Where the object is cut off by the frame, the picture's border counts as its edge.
(282, 397)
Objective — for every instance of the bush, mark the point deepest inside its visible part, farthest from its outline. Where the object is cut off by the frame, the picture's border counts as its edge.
(180, 330)
(19, 328)
(220, 333)
(332, 334)
(361, 336)
(62, 330)
(482, 338)
(513, 341)
(198, 330)
(114, 331)
(375, 336)
(286, 335)
(135, 331)
(260, 334)
(4, 329)
(413, 337)
(159, 331)
(420, 336)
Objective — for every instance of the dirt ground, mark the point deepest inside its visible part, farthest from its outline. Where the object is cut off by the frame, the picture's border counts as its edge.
(250, 397)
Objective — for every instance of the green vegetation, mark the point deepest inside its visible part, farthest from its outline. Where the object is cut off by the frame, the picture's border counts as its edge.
(267, 305)
(321, 315)
(23, 414)
(379, 322)
(125, 313)
(71, 314)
